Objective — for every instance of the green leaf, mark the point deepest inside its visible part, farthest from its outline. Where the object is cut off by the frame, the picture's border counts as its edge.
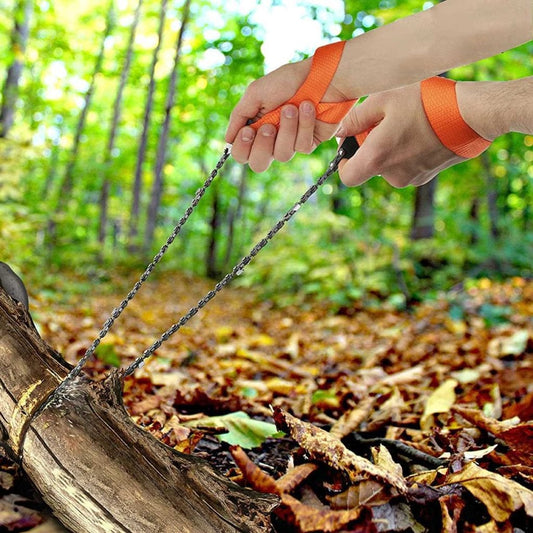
(494, 315)
(242, 430)
(108, 355)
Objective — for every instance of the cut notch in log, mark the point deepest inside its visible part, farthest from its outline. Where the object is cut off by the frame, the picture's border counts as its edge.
(92, 465)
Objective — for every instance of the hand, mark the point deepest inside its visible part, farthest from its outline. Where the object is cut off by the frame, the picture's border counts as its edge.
(401, 147)
(299, 130)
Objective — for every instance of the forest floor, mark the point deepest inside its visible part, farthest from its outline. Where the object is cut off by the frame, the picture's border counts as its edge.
(413, 420)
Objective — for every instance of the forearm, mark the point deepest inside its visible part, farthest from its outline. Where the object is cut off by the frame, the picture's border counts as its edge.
(495, 108)
(451, 34)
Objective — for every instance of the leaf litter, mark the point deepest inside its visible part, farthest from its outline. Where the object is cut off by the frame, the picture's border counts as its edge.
(392, 421)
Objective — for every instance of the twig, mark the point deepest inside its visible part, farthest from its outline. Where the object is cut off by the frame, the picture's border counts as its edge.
(399, 448)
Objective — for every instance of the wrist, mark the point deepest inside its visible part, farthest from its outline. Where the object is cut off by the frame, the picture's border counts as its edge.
(440, 103)
(480, 105)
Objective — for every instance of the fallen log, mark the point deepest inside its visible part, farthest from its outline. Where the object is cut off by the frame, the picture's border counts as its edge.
(93, 466)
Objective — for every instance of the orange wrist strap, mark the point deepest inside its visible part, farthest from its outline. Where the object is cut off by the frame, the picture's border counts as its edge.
(440, 104)
(323, 68)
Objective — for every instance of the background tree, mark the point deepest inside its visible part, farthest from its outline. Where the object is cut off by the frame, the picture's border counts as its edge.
(19, 39)
(141, 152)
(162, 146)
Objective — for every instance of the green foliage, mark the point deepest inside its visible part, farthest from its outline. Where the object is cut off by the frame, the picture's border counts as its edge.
(345, 245)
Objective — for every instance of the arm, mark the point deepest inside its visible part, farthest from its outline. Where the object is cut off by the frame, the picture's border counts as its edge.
(448, 35)
(403, 148)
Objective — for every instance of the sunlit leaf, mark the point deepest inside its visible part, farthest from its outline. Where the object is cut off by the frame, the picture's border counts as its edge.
(241, 429)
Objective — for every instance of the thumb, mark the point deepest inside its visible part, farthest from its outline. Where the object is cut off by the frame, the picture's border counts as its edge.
(360, 119)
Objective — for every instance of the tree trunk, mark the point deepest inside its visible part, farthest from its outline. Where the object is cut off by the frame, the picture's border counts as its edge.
(157, 188)
(141, 153)
(93, 466)
(67, 183)
(117, 110)
(211, 269)
(235, 215)
(423, 226)
(19, 40)
(492, 196)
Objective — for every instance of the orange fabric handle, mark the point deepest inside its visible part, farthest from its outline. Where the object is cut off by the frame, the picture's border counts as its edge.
(323, 68)
(439, 99)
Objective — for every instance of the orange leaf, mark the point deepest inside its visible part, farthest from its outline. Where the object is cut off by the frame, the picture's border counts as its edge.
(254, 476)
(295, 476)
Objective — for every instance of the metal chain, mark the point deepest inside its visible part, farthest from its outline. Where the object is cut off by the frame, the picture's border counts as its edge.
(240, 266)
(118, 310)
(236, 271)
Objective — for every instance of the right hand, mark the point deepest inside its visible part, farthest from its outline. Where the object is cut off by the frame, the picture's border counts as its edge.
(401, 146)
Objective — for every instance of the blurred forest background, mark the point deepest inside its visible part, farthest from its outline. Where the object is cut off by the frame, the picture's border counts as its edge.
(113, 112)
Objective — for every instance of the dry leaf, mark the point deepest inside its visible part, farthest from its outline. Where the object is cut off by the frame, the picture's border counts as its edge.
(255, 477)
(351, 420)
(322, 446)
(501, 496)
(310, 519)
(367, 492)
(295, 476)
(451, 507)
(395, 517)
(440, 401)
(383, 458)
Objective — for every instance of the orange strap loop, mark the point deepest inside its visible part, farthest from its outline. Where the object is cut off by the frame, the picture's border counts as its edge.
(439, 99)
(323, 68)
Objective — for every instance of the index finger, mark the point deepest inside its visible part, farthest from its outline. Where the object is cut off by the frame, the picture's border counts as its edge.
(247, 108)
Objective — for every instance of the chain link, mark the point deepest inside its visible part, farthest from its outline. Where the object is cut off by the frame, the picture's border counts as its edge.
(236, 271)
(239, 267)
(118, 310)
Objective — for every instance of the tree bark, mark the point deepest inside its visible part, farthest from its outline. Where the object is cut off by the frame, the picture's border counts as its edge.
(157, 188)
(235, 216)
(141, 152)
(93, 466)
(492, 196)
(19, 40)
(211, 269)
(423, 226)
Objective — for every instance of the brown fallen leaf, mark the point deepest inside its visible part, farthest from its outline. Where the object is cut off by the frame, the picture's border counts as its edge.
(451, 507)
(440, 401)
(309, 519)
(330, 450)
(368, 492)
(352, 419)
(517, 436)
(254, 476)
(520, 441)
(395, 517)
(501, 496)
(295, 477)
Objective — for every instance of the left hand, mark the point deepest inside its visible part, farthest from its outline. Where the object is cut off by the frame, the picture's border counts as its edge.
(299, 130)
(401, 147)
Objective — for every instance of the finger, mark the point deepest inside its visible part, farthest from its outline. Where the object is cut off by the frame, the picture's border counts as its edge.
(306, 126)
(369, 161)
(262, 151)
(247, 108)
(242, 144)
(361, 118)
(288, 128)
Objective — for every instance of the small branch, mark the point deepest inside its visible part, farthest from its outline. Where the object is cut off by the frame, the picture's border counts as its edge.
(399, 448)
